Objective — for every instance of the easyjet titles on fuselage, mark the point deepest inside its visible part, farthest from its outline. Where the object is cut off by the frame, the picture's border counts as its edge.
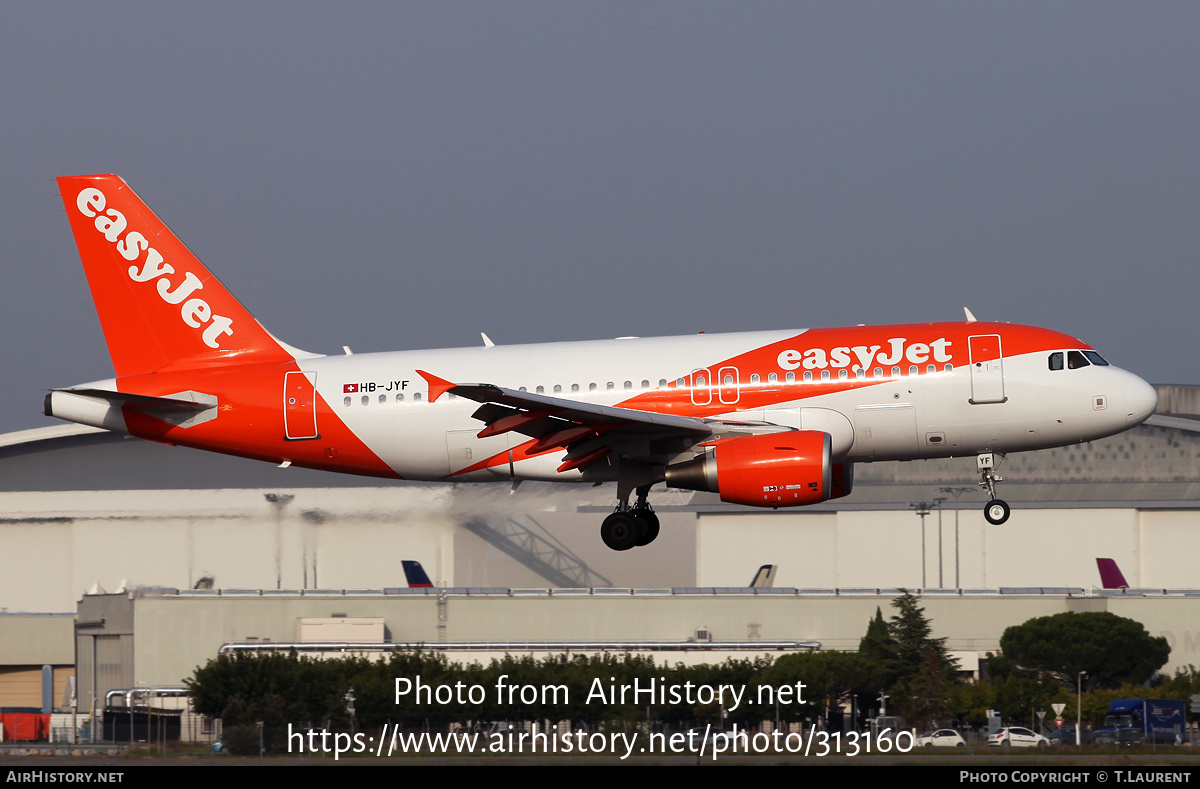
(195, 312)
(898, 349)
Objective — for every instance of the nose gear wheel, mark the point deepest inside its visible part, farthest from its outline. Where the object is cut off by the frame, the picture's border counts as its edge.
(996, 511)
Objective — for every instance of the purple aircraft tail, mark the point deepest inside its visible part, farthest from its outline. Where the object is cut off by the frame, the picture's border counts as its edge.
(1110, 575)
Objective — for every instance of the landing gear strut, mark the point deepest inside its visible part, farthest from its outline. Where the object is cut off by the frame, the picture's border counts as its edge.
(996, 511)
(630, 527)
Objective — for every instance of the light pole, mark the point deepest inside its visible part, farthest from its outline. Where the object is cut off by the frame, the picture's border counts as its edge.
(922, 509)
(937, 502)
(956, 492)
(1079, 711)
(278, 501)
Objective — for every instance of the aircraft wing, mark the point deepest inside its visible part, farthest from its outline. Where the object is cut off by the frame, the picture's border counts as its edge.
(590, 432)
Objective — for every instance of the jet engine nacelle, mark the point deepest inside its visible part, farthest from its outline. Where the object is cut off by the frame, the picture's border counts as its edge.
(843, 480)
(767, 470)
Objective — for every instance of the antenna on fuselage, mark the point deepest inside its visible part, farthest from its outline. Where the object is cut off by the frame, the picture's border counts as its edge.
(970, 317)
(487, 341)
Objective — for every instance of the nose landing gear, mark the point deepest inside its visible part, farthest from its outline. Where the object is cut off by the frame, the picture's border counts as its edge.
(996, 511)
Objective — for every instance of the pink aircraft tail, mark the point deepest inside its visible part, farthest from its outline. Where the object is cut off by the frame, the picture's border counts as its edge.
(1110, 575)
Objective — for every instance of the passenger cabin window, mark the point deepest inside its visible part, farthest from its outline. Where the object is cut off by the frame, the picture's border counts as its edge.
(383, 399)
(346, 402)
(808, 375)
(1056, 360)
(574, 387)
(1075, 360)
(557, 388)
(365, 399)
(754, 378)
(772, 378)
(399, 397)
(791, 377)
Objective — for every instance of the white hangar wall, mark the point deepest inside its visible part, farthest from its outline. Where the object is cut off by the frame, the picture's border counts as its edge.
(1036, 547)
(56, 545)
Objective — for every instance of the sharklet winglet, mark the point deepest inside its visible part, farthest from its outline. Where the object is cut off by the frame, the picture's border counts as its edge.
(437, 386)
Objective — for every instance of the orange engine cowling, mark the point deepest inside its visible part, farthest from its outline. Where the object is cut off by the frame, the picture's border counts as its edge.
(767, 470)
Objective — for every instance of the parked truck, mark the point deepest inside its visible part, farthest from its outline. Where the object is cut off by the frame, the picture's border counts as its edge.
(1148, 720)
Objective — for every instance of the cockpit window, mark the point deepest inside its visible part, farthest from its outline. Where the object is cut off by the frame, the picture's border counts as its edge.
(1056, 360)
(1095, 358)
(1075, 360)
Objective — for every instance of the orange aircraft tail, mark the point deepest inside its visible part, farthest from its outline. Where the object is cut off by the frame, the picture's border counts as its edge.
(158, 305)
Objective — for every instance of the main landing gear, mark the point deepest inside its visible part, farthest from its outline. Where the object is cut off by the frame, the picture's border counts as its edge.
(996, 511)
(630, 527)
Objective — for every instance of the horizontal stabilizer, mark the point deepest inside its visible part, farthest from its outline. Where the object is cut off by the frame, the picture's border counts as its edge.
(104, 407)
(142, 402)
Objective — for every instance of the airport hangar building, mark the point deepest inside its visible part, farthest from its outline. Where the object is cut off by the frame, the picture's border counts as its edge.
(296, 556)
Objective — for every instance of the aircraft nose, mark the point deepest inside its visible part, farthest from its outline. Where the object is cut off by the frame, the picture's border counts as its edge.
(1140, 400)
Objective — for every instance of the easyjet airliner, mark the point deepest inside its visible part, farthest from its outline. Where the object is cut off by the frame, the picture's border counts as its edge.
(765, 419)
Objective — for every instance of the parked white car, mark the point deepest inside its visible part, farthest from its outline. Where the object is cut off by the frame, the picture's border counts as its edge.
(1018, 737)
(941, 738)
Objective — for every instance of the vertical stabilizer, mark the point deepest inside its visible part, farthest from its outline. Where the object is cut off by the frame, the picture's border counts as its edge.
(415, 573)
(1110, 575)
(765, 577)
(158, 304)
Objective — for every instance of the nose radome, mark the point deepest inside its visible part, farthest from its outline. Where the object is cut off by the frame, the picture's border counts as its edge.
(1140, 400)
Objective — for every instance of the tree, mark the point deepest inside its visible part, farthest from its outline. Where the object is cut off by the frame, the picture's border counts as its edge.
(830, 679)
(919, 670)
(910, 632)
(1110, 648)
(877, 644)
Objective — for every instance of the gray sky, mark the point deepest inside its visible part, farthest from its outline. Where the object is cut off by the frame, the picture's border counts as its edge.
(403, 175)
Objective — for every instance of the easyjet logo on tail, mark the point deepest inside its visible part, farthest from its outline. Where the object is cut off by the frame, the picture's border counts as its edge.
(195, 312)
